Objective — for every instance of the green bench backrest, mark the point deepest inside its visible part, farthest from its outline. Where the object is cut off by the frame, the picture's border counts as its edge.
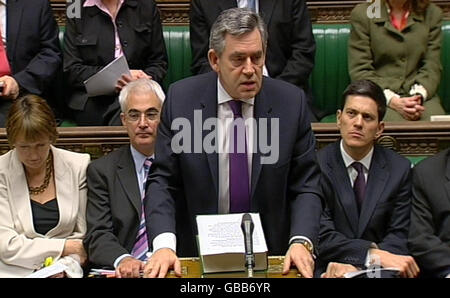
(330, 75)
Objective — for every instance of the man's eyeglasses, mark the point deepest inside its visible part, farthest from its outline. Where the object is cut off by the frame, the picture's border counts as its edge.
(134, 116)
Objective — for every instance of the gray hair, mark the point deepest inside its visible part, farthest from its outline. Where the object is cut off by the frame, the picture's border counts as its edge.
(236, 22)
(140, 86)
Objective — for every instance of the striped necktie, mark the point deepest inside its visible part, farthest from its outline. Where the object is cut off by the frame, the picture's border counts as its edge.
(140, 248)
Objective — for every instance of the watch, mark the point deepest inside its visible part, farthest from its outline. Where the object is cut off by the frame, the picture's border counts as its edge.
(305, 243)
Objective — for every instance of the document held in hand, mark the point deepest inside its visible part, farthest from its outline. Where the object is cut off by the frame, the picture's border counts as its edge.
(221, 243)
(104, 82)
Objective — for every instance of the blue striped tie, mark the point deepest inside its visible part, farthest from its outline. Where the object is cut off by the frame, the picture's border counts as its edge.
(140, 248)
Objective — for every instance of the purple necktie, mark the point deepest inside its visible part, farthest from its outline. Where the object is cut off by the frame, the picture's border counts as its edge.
(239, 188)
(359, 187)
(140, 247)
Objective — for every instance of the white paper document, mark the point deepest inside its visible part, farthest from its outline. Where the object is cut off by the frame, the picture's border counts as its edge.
(221, 242)
(371, 272)
(104, 82)
(51, 270)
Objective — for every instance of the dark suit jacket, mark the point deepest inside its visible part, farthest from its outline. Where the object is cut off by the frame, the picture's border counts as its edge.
(89, 44)
(291, 46)
(345, 236)
(286, 193)
(113, 208)
(33, 48)
(429, 235)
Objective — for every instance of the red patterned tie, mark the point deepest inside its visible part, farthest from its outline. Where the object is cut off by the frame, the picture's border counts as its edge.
(140, 248)
(5, 69)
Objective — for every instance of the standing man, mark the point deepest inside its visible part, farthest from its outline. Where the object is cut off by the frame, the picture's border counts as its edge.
(116, 235)
(429, 234)
(290, 47)
(30, 55)
(367, 190)
(284, 190)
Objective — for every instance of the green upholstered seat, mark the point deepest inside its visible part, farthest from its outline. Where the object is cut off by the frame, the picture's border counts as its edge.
(179, 53)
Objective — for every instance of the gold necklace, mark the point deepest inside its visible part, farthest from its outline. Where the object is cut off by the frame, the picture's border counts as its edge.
(48, 173)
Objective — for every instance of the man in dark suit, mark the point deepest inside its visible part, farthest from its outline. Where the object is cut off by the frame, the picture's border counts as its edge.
(429, 234)
(105, 31)
(116, 185)
(364, 223)
(290, 48)
(32, 50)
(282, 183)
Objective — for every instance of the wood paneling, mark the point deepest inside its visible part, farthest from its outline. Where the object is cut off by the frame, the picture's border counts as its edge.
(409, 139)
(177, 12)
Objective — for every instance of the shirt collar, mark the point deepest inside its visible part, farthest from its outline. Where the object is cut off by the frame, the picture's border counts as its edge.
(97, 3)
(138, 158)
(223, 96)
(348, 160)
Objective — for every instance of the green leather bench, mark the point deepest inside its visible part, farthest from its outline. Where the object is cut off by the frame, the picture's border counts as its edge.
(330, 75)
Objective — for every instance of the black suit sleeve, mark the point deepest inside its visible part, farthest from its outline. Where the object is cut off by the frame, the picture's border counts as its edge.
(75, 69)
(431, 252)
(101, 243)
(156, 63)
(304, 178)
(164, 180)
(199, 38)
(396, 238)
(40, 71)
(303, 46)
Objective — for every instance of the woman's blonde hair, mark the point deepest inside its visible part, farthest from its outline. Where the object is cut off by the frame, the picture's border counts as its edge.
(31, 117)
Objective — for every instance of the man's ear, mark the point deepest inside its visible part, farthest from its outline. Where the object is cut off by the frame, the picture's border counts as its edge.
(122, 117)
(213, 59)
(338, 118)
(380, 129)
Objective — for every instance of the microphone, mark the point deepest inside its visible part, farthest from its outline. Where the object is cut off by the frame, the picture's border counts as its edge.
(247, 229)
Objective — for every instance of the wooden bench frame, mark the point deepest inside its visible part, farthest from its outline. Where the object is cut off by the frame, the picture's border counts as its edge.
(409, 139)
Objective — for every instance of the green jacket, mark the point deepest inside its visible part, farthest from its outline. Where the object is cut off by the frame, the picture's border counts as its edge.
(392, 59)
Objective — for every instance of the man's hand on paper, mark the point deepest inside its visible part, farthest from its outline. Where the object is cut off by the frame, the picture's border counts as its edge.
(135, 74)
(129, 267)
(337, 270)
(302, 259)
(160, 263)
(405, 264)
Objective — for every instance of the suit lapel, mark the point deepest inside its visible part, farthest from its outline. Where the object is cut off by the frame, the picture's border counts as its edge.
(19, 193)
(341, 181)
(266, 9)
(64, 192)
(14, 11)
(447, 175)
(226, 4)
(377, 178)
(262, 109)
(209, 110)
(126, 174)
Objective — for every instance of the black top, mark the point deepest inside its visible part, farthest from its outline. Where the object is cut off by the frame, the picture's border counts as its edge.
(45, 216)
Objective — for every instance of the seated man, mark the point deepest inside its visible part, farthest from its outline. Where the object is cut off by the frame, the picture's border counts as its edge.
(30, 55)
(364, 223)
(116, 234)
(429, 234)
